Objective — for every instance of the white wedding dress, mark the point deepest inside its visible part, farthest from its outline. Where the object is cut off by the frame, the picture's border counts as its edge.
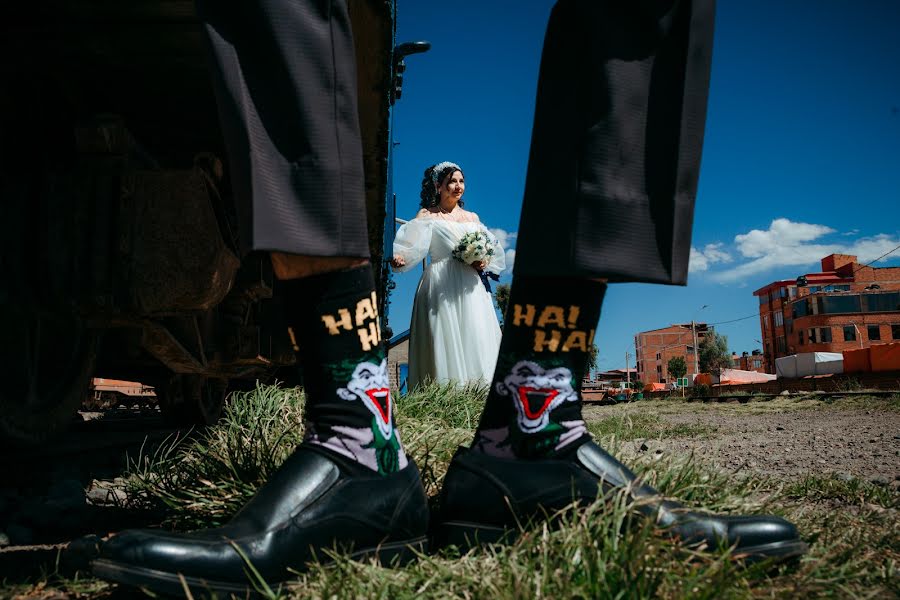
(454, 332)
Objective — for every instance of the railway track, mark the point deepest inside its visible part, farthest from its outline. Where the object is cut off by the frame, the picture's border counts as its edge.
(743, 398)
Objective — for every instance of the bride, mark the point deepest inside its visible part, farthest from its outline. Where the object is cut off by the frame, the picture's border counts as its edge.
(454, 334)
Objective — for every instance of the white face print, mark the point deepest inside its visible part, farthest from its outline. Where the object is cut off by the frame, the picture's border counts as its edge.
(370, 384)
(535, 392)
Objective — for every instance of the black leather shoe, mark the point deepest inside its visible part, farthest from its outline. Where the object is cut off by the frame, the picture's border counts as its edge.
(315, 501)
(485, 499)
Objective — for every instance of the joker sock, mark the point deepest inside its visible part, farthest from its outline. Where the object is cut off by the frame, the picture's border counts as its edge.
(533, 408)
(334, 325)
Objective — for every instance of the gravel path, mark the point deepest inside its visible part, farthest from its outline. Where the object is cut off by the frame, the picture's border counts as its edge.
(784, 437)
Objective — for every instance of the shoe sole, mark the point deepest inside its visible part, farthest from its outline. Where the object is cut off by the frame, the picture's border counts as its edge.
(467, 535)
(173, 584)
(776, 552)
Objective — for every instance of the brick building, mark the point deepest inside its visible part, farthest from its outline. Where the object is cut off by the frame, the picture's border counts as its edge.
(398, 360)
(749, 362)
(844, 306)
(614, 377)
(654, 349)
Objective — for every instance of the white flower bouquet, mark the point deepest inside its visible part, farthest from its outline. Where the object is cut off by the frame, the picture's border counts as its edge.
(474, 246)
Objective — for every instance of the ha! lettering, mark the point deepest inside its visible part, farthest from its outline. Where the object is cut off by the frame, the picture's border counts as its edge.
(555, 327)
(362, 318)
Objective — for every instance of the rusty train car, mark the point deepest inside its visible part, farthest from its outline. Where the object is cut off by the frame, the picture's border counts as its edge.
(118, 250)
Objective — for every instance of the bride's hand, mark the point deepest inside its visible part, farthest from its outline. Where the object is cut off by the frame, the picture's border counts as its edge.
(479, 265)
(398, 262)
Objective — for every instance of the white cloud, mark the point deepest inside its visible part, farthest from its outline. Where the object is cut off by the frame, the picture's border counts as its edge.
(711, 254)
(507, 239)
(782, 233)
(793, 244)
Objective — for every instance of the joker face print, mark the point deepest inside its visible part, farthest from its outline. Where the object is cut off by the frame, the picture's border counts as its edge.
(535, 392)
(369, 384)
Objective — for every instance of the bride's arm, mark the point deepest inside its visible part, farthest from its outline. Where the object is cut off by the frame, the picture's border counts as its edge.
(497, 264)
(412, 242)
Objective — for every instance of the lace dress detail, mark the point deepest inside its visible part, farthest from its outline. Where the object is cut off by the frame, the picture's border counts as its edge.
(454, 333)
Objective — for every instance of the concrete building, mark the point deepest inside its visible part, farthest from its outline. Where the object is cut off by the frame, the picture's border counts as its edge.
(844, 306)
(654, 349)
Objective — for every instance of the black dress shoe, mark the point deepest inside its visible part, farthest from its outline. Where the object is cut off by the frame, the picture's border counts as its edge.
(486, 499)
(316, 501)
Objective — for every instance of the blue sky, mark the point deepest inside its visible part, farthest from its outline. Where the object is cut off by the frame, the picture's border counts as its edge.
(801, 158)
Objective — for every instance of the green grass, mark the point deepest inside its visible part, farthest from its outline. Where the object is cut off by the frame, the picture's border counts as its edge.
(645, 424)
(600, 552)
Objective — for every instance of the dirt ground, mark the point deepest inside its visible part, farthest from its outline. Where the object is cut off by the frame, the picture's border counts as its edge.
(792, 437)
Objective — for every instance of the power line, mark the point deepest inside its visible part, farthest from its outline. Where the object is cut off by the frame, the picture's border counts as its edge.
(877, 259)
(756, 315)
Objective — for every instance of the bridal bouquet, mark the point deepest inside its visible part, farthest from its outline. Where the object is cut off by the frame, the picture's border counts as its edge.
(474, 246)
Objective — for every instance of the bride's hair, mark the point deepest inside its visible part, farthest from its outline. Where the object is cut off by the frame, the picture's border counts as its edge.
(430, 183)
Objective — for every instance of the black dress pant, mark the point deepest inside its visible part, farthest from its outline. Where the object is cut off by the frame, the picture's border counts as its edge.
(615, 151)
(618, 132)
(284, 74)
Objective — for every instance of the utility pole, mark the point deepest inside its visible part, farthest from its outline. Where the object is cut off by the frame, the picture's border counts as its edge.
(696, 350)
(627, 373)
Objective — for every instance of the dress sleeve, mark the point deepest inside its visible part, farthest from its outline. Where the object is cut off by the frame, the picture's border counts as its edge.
(498, 261)
(412, 242)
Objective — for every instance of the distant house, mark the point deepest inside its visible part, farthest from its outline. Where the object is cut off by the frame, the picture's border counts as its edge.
(614, 377)
(656, 347)
(844, 307)
(398, 361)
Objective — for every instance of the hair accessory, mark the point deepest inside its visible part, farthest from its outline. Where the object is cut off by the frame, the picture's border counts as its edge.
(436, 170)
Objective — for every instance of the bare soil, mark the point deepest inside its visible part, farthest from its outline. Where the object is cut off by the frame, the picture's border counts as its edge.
(785, 437)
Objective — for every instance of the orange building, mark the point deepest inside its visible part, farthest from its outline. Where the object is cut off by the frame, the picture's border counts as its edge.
(845, 306)
(654, 349)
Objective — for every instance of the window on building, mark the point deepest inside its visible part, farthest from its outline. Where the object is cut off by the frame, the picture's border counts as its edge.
(811, 333)
(874, 332)
(658, 355)
(792, 291)
(800, 336)
(779, 319)
(757, 363)
(840, 304)
(780, 345)
(825, 335)
(801, 308)
(849, 333)
(881, 302)
(789, 326)
(766, 322)
(690, 349)
(895, 331)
